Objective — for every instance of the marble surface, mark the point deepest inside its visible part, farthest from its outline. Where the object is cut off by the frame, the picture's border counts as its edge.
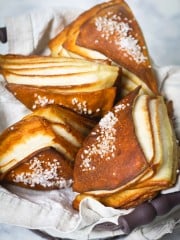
(159, 20)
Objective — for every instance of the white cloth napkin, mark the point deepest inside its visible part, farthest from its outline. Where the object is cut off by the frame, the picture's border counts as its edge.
(51, 211)
(30, 33)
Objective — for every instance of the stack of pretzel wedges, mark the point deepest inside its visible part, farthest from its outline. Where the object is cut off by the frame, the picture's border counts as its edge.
(98, 122)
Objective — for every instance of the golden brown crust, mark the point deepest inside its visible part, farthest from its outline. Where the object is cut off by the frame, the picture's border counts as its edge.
(147, 196)
(68, 82)
(40, 145)
(115, 35)
(67, 37)
(81, 102)
(112, 166)
(111, 152)
(137, 62)
(30, 135)
(44, 170)
(96, 163)
(125, 199)
(57, 114)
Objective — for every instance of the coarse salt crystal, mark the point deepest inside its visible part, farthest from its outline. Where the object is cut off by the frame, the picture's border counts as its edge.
(48, 177)
(41, 101)
(81, 106)
(119, 30)
(104, 145)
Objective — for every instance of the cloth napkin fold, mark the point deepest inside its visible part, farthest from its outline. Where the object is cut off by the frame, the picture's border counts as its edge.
(30, 33)
(51, 211)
